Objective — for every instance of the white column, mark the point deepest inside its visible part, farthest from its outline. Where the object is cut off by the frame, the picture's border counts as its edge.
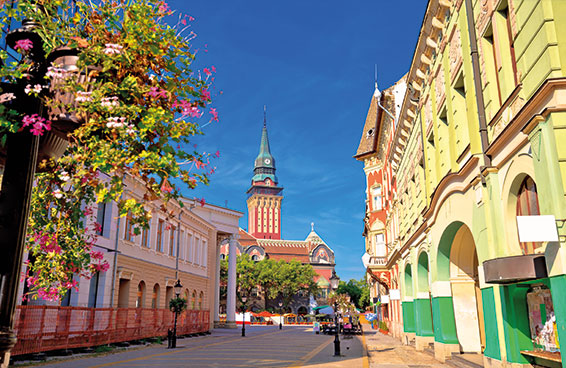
(231, 297)
(217, 285)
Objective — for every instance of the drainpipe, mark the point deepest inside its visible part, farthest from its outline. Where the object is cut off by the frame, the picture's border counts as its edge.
(478, 85)
(115, 265)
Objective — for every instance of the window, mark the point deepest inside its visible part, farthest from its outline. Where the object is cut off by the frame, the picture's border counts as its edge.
(172, 241)
(155, 297)
(255, 257)
(190, 247)
(527, 205)
(376, 198)
(159, 241)
(140, 295)
(128, 230)
(182, 249)
(197, 251)
(145, 237)
(204, 252)
(379, 245)
(200, 300)
(103, 217)
(93, 290)
(193, 305)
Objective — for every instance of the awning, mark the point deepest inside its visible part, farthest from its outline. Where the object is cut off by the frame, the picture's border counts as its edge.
(508, 270)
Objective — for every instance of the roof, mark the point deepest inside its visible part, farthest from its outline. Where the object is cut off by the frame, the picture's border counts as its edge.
(369, 133)
(264, 164)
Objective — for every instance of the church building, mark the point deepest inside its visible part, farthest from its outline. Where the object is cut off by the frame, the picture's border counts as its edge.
(263, 238)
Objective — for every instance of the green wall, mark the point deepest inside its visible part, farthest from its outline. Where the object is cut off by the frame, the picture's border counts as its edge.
(408, 316)
(492, 348)
(444, 324)
(424, 317)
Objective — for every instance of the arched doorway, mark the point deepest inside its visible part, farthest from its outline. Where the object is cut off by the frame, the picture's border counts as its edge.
(423, 307)
(466, 293)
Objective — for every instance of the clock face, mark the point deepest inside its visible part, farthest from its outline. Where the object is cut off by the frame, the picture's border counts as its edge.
(267, 161)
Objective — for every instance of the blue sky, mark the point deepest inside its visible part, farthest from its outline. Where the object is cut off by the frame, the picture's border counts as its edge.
(312, 64)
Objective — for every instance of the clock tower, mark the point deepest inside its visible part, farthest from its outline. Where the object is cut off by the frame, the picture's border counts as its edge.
(264, 196)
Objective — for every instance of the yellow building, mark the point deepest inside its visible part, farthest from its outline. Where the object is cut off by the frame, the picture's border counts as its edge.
(476, 151)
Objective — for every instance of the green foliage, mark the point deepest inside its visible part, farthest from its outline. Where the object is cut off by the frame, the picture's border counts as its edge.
(357, 290)
(383, 326)
(103, 349)
(141, 102)
(178, 304)
(273, 277)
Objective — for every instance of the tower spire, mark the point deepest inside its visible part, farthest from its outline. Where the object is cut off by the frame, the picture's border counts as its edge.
(264, 117)
(376, 93)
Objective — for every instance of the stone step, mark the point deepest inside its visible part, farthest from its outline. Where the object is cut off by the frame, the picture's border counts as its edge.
(466, 360)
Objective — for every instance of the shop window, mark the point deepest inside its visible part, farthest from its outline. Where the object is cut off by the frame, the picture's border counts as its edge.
(542, 321)
(527, 205)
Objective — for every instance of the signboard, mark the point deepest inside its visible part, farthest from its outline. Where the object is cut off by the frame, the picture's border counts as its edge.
(394, 294)
(537, 228)
(385, 299)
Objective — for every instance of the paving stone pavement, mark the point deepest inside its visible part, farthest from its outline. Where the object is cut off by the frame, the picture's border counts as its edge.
(387, 352)
(263, 346)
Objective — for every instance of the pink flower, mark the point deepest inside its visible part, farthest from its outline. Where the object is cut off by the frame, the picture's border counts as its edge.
(156, 92)
(166, 188)
(202, 202)
(112, 49)
(23, 45)
(217, 154)
(205, 95)
(36, 123)
(207, 72)
(213, 69)
(163, 7)
(214, 114)
(96, 255)
(191, 18)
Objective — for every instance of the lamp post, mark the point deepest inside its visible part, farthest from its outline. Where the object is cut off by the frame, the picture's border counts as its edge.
(178, 287)
(334, 281)
(280, 315)
(374, 304)
(244, 299)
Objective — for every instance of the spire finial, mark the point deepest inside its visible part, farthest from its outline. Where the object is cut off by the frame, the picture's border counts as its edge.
(376, 93)
(264, 116)
(312, 226)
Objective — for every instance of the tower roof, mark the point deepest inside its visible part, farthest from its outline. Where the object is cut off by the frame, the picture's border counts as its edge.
(264, 164)
(313, 237)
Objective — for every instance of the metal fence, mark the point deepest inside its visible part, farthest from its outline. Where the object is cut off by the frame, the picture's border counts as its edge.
(44, 328)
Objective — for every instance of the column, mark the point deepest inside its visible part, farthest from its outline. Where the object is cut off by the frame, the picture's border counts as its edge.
(215, 317)
(231, 297)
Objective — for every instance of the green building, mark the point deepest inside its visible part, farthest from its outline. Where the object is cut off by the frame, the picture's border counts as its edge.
(480, 140)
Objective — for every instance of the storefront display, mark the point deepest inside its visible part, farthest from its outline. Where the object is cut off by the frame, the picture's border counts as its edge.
(542, 321)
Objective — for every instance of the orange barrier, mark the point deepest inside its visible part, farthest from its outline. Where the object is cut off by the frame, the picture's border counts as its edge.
(43, 328)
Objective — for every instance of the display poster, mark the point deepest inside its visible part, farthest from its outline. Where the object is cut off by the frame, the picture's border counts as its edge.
(542, 321)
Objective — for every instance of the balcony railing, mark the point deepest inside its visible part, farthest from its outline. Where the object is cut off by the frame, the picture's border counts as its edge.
(377, 261)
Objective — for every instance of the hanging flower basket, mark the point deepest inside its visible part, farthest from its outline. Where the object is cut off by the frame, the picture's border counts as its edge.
(63, 112)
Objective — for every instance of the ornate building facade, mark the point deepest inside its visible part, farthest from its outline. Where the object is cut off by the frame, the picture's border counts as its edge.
(476, 158)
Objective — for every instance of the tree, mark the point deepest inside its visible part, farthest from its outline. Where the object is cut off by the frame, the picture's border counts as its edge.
(138, 101)
(273, 277)
(357, 290)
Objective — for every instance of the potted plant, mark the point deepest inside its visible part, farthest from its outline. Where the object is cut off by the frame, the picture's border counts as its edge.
(120, 86)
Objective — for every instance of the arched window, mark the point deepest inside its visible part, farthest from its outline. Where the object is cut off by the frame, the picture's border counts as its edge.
(141, 295)
(527, 205)
(200, 300)
(376, 198)
(193, 305)
(155, 297)
(255, 257)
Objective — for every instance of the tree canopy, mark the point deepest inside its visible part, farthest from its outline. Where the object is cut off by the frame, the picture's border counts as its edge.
(357, 290)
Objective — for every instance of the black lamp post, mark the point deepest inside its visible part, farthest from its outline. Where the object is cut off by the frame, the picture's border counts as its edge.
(334, 281)
(177, 287)
(244, 299)
(280, 314)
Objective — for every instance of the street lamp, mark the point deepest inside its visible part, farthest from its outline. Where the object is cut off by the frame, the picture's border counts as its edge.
(177, 287)
(244, 299)
(280, 315)
(375, 304)
(334, 281)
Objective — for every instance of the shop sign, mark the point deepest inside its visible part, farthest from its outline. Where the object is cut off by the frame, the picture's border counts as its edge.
(537, 228)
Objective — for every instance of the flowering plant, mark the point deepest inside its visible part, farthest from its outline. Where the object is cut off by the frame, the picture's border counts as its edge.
(140, 103)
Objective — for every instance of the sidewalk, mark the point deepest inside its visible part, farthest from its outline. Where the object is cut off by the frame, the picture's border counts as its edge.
(387, 352)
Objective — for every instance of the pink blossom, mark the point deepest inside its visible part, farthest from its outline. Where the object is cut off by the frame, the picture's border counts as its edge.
(202, 202)
(166, 188)
(112, 49)
(96, 255)
(191, 18)
(207, 72)
(157, 92)
(23, 45)
(163, 7)
(205, 95)
(214, 114)
(97, 227)
(36, 123)
(217, 154)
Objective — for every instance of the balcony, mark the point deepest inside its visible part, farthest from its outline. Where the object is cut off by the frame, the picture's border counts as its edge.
(377, 261)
